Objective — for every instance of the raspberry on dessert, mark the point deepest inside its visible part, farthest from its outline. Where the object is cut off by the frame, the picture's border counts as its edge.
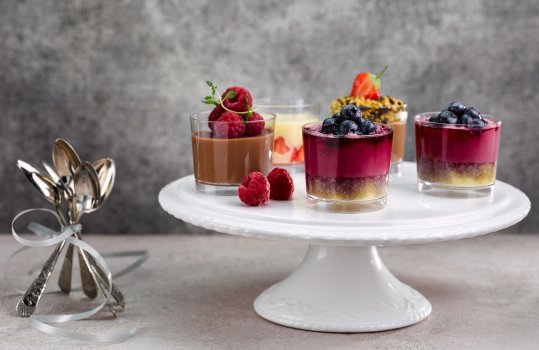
(216, 113)
(254, 189)
(281, 184)
(239, 103)
(228, 126)
(255, 125)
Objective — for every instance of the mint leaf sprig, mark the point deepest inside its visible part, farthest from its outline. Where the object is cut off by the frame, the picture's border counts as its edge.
(215, 99)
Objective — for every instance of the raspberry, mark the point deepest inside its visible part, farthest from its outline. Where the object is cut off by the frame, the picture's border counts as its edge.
(254, 189)
(239, 103)
(228, 126)
(281, 184)
(216, 113)
(255, 125)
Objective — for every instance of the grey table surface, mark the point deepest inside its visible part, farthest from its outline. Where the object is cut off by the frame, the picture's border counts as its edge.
(196, 292)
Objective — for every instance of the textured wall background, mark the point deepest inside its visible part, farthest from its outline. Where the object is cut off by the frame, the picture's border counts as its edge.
(117, 78)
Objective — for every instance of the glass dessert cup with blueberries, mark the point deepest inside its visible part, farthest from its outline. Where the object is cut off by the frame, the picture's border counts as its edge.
(456, 156)
(224, 152)
(291, 114)
(347, 171)
(386, 110)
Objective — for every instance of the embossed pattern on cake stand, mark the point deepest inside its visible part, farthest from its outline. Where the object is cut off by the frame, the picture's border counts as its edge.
(342, 284)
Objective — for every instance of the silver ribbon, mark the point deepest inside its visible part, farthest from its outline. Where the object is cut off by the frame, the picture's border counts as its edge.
(51, 238)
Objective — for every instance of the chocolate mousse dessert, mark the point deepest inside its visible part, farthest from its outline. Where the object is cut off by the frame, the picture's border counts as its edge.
(389, 110)
(456, 148)
(230, 141)
(347, 159)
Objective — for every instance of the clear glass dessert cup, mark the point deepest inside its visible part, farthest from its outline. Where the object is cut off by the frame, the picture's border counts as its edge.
(347, 173)
(219, 162)
(292, 114)
(456, 160)
(395, 116)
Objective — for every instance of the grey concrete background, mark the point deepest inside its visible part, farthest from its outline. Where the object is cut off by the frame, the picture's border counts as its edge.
(117, 78)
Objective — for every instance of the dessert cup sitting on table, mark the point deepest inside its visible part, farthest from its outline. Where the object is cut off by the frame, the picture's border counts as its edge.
(230, 141)
(347, 161)
(457, 151)
(389, 110)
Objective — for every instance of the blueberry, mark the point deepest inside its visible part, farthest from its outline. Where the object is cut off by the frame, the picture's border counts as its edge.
(477, 123)
(457, 108)
(434, 119)
(350, 112)
(338, 117)
(347, 126)
(465, 119)
(447, 117)
(473, 113)
(368, 128)
(329, 126)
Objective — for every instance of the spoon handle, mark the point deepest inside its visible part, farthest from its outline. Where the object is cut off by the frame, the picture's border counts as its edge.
(115, 292)
(89, 286)
(27, 305)
(64, 281)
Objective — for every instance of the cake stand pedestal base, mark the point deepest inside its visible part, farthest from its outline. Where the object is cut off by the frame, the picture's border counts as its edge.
(343, 289)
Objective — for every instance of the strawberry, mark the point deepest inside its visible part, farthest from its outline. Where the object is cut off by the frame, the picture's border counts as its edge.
(367, 85)
(297, 155)
(280, 146)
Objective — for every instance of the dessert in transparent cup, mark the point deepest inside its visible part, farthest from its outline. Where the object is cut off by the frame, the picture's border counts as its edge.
(386, 110)
(456, 160)
(347, 173)
(220, 163)
(292, 114)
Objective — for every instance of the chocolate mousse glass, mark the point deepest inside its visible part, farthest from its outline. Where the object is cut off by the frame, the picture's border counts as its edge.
(220, 163)
(456, 159)
(347, 173)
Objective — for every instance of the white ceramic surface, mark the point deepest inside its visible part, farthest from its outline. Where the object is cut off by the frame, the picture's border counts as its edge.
(342, 285)
(409, 218)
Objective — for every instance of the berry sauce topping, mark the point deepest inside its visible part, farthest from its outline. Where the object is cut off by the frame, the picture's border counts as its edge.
(348, 121)
(458, 113)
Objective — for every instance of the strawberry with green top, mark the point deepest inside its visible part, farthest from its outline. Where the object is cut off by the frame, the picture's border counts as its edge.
(367, 85)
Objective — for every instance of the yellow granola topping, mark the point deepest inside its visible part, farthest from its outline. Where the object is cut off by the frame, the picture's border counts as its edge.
(384, 110)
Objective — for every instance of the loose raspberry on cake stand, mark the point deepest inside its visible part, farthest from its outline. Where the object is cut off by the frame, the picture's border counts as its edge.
(342, 285)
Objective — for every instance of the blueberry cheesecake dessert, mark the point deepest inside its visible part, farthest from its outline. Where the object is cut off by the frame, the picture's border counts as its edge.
(457, 147)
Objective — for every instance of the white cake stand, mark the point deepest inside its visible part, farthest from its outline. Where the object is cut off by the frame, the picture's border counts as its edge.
(342, 285)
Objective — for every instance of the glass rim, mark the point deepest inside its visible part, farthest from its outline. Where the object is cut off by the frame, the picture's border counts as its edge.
(284, 102)
(419, 118)
(310, 132)
(196, 117)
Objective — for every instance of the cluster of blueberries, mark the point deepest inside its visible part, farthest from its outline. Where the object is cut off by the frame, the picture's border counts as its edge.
(348, 120)
(458, 113)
